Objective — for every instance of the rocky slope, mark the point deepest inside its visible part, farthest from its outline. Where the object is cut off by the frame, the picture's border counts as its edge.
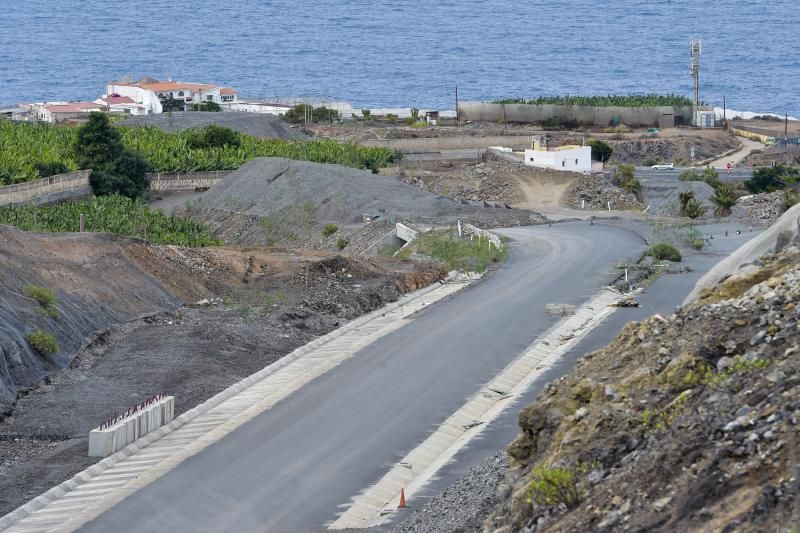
(684, 423)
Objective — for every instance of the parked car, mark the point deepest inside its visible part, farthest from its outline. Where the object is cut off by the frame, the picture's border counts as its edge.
(663, 166)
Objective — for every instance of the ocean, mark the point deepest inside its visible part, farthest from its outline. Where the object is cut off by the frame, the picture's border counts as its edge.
(401, 53)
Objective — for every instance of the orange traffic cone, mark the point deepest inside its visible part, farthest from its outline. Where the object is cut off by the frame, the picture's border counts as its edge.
(402, 499)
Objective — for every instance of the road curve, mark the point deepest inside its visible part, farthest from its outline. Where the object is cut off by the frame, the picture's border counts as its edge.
(294, 467)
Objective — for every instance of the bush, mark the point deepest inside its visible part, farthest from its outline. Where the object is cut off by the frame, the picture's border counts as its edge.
(790, 198)
(42, 342)
(694, 209)
(308, 113)
(213, 136)
(664, 251)
(45, 297)
(771, 179)
(553, 486)
(601, 150)
(366, 113)
(342, 243)
(329, 229)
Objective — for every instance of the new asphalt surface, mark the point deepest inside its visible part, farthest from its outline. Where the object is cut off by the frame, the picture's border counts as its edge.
(294, 467)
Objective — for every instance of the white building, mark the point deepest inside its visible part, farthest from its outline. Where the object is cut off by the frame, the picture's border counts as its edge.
(255, 106)
(151, 94)
(570, 158)
(121, 104)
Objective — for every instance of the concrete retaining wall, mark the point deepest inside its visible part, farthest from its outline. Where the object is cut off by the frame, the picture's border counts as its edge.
(463, 142)
(111, 439)
(53, 188)
(599, 116)
(404, 232)
(177, 181)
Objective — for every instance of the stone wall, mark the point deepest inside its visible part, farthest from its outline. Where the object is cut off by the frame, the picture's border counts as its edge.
(60, 187)
(598, 116)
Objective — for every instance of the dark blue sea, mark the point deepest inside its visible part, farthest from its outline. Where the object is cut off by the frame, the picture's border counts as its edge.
(402, 53)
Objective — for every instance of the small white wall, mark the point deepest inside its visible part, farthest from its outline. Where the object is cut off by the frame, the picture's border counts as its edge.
(577, 159)
(258, 107)
(107, 441)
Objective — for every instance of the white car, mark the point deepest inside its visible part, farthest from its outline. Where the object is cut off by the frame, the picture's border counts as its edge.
(663, 166)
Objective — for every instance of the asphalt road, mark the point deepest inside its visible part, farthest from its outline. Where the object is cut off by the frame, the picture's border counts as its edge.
(295, 466)
(671, 176)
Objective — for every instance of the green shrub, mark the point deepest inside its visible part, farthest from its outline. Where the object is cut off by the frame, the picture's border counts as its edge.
(46, 170)
(45, 297)
(458, 254)
(329, 229)
(305, 112)
(212, 136)
(771, 179)
(366, 113)
(553, 486)
(342, 243)
(698, 244)
(790, 198)
(664, 251)
(601, 150)
(42, 342)
(695, 209)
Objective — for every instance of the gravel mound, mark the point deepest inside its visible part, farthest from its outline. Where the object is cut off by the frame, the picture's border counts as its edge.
(664, 197)
(257, 124)
(594, 191)
(301, 193)
(465, 504)
(762, 209)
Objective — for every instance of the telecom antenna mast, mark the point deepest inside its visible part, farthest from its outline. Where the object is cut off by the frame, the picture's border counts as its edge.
(696, 47)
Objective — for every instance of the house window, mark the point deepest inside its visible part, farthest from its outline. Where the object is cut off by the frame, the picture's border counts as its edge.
(210, 97)
(564, 163)
(576, 162)
(180, 93)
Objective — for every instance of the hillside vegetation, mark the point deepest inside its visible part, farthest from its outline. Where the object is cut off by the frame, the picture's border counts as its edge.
(24, 146)
(109, 214)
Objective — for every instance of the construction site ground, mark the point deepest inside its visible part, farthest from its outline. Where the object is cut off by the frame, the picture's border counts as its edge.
(246, 308)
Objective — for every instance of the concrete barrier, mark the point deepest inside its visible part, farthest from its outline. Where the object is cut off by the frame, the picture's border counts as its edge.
(177, 181)
(59, 187)
(599, 116)
(559, 309)
(110, 438)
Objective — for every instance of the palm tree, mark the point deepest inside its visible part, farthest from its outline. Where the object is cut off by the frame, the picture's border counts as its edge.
(724, 198)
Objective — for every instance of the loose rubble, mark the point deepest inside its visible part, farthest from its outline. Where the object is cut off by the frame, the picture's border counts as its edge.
(761, 209)
(465, 504)
(594, 191)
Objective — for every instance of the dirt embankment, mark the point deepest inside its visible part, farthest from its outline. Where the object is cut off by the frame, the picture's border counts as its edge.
(247, 308)
(261, 125)
(273, 201)
(683, 423)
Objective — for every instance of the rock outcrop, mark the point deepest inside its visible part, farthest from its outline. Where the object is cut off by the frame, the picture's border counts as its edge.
(683, 423)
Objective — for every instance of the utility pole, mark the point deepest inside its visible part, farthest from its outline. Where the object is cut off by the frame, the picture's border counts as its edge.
(785, 130)
(458, 119)
(724, 113)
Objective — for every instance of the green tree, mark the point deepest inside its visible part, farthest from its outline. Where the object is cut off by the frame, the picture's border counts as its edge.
(772, 179)
(601, 150)
(171, 104)
(207, 106)
(50, 169)
(685, 197)
(301, 112)
(115, 169)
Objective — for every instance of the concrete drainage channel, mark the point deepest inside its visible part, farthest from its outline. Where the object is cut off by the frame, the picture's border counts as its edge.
(376, 504)
(89, 493)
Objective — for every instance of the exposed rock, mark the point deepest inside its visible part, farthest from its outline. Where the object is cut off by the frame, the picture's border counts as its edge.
(761, 209)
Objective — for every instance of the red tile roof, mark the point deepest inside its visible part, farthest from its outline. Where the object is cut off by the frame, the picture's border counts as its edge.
(113, 100)
(73, 107)
(227, 90)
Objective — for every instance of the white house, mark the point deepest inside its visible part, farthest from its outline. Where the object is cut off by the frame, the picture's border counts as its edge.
(570, 158)
(151, 93)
